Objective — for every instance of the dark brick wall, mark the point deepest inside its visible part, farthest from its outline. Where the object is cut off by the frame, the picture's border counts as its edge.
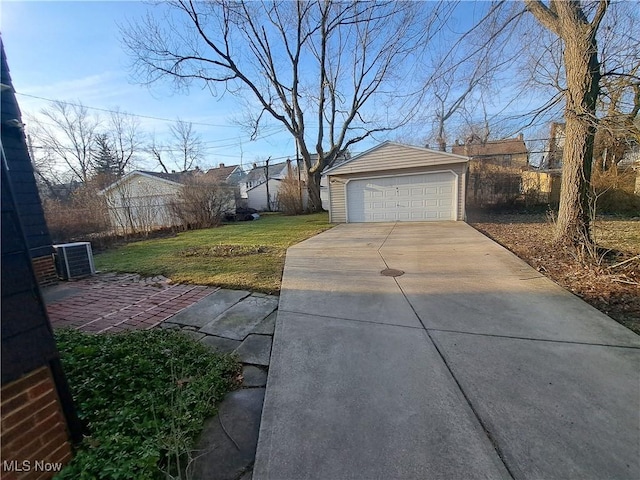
(34, 434)
(45, 270)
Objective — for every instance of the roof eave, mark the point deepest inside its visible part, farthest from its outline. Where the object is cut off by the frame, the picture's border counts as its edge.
(454, 157)
(131, 174)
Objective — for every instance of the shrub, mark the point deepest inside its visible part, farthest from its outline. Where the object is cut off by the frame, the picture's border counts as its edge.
(144, 396)
(614, 191)
(82, 215)
(289, 198)
(490, 184)
(203, 203)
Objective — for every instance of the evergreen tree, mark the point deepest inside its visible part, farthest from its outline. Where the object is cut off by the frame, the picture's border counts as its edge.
(105, 163)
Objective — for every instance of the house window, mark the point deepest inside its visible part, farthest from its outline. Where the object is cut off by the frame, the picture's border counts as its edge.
(506, 160)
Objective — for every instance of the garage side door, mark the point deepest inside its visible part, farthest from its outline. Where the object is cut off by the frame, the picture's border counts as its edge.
(417, 198)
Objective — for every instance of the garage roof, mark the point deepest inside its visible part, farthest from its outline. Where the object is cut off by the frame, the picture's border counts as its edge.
(392, 156)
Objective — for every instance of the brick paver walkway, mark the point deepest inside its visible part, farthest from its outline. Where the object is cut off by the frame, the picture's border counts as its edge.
(113, 303)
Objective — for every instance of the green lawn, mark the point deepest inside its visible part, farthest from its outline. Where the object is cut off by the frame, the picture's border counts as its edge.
(244, 255)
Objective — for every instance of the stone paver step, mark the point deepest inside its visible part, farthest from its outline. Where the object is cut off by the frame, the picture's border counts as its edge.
(239, 321)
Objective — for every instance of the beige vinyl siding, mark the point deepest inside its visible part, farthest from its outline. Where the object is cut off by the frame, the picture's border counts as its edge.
(338, 182)
(338, 200)
(391, 156)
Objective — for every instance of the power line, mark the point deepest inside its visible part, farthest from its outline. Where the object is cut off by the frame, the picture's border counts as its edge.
(99, 109)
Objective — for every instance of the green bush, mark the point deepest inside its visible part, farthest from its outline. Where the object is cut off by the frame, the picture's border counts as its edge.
(144, 396)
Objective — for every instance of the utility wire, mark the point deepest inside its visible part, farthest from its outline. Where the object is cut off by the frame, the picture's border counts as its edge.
(106, 110)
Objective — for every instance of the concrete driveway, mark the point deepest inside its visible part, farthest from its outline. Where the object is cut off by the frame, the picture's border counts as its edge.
(469, 365)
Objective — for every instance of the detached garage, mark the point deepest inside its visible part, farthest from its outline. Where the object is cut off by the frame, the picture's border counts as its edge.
(395, 182)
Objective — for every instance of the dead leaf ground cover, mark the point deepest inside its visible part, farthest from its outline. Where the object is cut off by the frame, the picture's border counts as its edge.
(606, 283)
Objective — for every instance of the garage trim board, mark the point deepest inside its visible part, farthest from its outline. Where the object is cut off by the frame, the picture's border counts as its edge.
(430, 196)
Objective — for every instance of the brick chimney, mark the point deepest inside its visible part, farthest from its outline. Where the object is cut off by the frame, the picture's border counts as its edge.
(221, 165)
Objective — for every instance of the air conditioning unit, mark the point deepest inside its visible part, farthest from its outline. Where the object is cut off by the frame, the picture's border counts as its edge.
(74, 260)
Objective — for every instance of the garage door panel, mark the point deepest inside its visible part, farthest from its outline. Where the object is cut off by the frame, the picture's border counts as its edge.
(420, 197)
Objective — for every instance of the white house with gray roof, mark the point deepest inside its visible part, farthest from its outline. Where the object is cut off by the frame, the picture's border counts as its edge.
(262, 194)
(141, 200)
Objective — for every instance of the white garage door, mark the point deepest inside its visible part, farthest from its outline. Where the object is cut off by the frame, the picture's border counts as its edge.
(410, 198)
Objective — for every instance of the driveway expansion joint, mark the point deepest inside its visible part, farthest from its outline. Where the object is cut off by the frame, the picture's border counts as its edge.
(533, 339)
(487, 431)
(371, 322)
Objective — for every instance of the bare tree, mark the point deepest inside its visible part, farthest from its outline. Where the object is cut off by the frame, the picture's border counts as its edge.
(569, 21)
(48, 178)
(126, 139)
(465, 67)
(266, 176)
(67, 133)
(186, 146)
(156, 150)
(322, 69)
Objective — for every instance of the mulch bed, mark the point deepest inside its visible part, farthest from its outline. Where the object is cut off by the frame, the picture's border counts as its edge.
(606, 283)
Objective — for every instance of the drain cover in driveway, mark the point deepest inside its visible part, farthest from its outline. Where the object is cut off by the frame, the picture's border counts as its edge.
(391, 272)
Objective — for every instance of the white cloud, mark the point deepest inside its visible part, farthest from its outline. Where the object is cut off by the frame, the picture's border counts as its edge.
(100, 89)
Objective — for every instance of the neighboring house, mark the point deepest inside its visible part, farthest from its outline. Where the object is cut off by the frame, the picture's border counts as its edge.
(141, 201)
(255, 184)
(541, 186)
(495, 168)
(38, 416)
(228, 175)
(631, 160)
(262, 192)
(551, 166)
(58, 191)
(394, 182)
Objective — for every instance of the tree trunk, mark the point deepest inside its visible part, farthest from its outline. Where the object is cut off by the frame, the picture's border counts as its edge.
(583, 77)
(314, 203)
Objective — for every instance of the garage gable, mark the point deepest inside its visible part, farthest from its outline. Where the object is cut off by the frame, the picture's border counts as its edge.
(394, 182)
(392, 156)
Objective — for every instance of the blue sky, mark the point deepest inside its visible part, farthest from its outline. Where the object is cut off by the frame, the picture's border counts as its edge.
(72, 51)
